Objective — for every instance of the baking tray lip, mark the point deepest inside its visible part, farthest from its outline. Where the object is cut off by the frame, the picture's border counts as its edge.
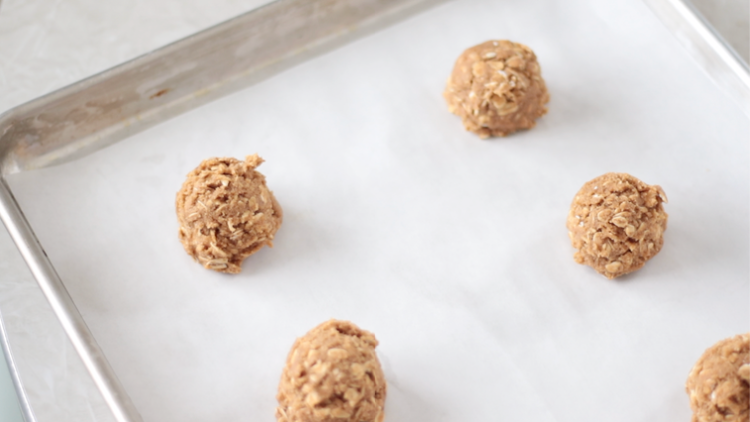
(7, 116)
(707, 47)
(702, 29)
(23, 402)
(357, 18)
(126, 65)
(733, 57)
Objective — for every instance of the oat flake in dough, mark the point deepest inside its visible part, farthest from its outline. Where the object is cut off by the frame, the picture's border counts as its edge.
(496, 88)
(616, 223)
(226, 213)
(332, 375)
(718, 384)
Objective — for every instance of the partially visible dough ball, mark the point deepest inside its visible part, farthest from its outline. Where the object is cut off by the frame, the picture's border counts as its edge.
(718, 384)
(616, 222)
(226, 213)
(332, 375)
(497, 88)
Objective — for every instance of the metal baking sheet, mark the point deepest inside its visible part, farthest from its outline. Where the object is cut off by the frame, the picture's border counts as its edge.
(451, 249)
(731, 21)
(705, 45)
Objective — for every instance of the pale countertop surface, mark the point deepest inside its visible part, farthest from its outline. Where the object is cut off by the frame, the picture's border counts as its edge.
(100, 27)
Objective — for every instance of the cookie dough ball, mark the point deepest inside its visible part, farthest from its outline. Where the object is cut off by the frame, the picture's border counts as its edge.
(616, 223)
(718, 384)
(332, 374)
(226, 213)
(496, 88)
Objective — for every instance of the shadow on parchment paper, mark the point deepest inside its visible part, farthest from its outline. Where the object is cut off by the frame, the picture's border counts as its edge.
(569, 110)
(695, 238)
(675, 408)
(299, 242)
(402, 404)
(568, 101)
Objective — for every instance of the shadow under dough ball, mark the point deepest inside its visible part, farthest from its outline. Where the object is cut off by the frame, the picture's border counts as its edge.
(332, 375)
(226, 213)
(617, 223)
(496, 88)
(718, 384)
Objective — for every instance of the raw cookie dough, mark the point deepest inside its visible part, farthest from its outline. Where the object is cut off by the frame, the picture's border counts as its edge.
(332, 374)
(226, 213)
(496, 88)
(718, 384)
(617, 223)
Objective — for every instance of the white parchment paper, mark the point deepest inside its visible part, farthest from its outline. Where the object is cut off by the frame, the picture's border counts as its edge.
(452, 250)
